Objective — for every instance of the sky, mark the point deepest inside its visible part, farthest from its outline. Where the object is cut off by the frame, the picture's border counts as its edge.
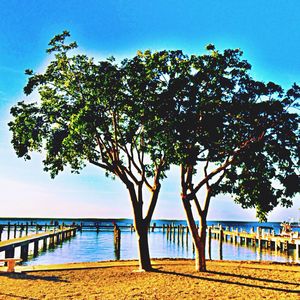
(268, 32)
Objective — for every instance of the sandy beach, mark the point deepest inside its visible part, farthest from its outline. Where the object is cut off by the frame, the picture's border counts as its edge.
(173, 279)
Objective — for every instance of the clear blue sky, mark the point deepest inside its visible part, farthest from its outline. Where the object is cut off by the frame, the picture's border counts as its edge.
(267, 31)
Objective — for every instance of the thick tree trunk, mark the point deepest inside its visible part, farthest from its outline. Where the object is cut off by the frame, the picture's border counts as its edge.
(200, 248)
(200, 263)
(143, 249)
(198, 237)
(199, 242)
(141, 227)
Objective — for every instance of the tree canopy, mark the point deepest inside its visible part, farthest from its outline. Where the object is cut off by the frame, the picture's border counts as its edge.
(135, 119)
(239, 135)
(99, 113)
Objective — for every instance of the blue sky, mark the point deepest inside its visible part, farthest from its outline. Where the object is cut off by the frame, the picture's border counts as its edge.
(267, 31)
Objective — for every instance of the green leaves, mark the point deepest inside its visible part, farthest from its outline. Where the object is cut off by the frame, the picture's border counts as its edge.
(160, 108)
(58, 43)
(27, 129)
(100, 113)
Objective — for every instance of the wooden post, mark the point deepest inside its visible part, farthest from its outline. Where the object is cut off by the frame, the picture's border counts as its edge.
(57, 238)
(44, 244)
(51, 241)
(24, 251)
(26, 228)
(35, 248)
(153, 227)
(117, 241)
(221, 244)
(187, 235)
(209, 242)
(8, 230)
(174, 232)
(15, 230)
(1, 230)
(10, 252)
(182, 234)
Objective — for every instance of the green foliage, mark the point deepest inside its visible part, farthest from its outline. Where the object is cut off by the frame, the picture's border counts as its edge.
(246, 129)
(162, 108)
(100, 113)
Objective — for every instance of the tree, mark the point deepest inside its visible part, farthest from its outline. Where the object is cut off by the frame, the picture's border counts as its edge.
(164, 108)
(238, 130)
(97, 113)
(242, 133)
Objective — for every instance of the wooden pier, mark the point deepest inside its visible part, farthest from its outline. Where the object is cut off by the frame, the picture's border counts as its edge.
(49, 240)
(262, 238)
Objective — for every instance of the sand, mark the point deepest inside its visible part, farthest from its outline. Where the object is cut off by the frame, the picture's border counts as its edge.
(173, 279)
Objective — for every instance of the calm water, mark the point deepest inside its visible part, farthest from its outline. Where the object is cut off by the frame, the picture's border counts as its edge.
(92, 246)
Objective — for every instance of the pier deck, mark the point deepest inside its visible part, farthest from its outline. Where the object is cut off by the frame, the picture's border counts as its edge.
(49, 238)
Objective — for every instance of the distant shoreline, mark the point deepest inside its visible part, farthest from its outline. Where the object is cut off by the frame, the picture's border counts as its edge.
(109, 219)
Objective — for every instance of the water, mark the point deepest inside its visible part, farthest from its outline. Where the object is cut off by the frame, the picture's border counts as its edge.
(90, 246)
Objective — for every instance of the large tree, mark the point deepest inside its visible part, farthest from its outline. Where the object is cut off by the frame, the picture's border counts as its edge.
(234, 135)
(97, 113)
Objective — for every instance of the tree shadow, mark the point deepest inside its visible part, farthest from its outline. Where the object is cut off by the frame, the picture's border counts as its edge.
(285, 290)
(12, 296)
(25, 276)
(254, 278)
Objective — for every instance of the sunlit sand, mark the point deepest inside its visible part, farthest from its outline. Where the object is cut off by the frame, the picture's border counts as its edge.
(173, 279)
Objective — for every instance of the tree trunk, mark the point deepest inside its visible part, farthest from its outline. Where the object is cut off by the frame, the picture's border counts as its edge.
(143, 249)
(199, 238)
(200, 249)
(141, 227)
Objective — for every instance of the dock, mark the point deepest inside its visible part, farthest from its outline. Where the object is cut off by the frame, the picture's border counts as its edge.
(49, 240)
(261, 238)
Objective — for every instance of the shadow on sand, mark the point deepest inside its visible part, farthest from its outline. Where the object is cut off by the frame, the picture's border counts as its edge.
(31, 277)
(236, 280)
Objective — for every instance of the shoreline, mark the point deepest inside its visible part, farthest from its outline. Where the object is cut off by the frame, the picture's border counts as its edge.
(134, 263)
(172, 279)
